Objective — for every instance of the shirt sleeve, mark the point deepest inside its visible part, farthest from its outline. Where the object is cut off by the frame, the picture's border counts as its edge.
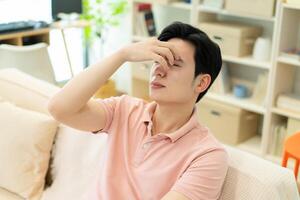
(204, 178)
(109, 105)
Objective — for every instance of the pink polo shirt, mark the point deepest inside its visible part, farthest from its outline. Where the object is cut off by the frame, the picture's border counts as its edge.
(139, 166)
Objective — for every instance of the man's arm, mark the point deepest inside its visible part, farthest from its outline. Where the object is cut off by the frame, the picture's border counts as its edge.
(73, 105)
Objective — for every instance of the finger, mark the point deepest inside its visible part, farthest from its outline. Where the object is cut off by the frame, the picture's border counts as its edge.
(165, 52)
(161, 60)
(172, 48)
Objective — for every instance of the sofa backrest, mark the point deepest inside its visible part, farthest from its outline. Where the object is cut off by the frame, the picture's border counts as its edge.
(24, 90)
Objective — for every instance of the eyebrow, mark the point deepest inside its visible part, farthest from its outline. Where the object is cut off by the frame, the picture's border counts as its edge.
(180, 60)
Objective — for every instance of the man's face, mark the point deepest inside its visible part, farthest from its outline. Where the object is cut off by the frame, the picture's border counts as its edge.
(175, 85)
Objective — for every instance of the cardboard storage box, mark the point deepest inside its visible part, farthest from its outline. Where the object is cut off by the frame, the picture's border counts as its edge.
(234, 39)
(263, 8)
(229, 124)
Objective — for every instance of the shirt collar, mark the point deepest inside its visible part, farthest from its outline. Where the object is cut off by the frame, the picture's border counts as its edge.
(174, 136)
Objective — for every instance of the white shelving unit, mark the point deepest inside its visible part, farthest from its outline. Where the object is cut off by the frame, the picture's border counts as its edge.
(289, 61)
(248, 61)
(284, 26)
(286, 72)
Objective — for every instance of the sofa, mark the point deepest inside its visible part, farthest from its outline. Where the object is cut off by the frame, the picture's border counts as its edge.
(41, 159)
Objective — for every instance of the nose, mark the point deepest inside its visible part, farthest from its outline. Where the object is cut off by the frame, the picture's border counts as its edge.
(158, 70)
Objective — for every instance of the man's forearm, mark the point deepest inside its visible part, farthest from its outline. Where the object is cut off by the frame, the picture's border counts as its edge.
(76, 93)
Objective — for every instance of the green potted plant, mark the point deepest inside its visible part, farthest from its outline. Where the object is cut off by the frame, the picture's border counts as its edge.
(100, 14)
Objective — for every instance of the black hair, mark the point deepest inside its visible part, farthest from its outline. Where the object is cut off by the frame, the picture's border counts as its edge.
(208, 59)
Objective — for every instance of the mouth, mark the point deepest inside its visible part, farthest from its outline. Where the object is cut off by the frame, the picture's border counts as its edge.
(156, 85)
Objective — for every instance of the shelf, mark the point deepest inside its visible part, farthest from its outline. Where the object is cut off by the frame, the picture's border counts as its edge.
(252, 145)
(180, 5)
(143, 1)
(286, 113)
(225, 12)
(246, 104)
(17, 38)
(292, 6)
(289, 61)
(249, 61)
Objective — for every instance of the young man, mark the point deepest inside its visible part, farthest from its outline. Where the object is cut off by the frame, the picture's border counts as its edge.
(155, 150)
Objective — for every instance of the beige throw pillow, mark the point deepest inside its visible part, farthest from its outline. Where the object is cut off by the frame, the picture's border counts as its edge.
(26, 138)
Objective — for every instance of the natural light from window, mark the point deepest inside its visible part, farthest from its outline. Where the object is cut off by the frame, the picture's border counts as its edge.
(22, 10)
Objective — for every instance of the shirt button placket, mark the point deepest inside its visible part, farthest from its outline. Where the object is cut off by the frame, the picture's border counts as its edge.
(141, 154)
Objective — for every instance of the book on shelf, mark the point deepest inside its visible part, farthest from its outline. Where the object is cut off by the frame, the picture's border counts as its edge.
(144, 21)
(293, 126)
(277, 139)
(289, 101)
(140, 25)
(222, 84)
(291, 53)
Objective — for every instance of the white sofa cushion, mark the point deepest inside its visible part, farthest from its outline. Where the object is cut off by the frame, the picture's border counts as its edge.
(77, 159)
(25, 90)
(26, 138)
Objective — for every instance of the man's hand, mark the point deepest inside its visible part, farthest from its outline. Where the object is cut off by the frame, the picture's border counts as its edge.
(151, 49)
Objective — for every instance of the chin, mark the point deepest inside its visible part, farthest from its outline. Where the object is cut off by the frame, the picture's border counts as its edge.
(168, 98)
(162, 98)
(158, 97)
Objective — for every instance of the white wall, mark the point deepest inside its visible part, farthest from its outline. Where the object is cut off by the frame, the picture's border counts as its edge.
(116, 38)
(19, 10)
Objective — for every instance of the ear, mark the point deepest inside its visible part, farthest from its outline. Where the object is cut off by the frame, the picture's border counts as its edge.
(202, 82)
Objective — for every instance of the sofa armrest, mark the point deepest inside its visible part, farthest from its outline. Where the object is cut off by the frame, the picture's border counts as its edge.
(251, 177)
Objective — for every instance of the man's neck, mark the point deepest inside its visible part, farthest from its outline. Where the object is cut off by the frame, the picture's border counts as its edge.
(168, 118)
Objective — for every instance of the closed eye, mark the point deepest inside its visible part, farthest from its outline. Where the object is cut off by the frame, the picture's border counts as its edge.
(175, 65)
(156, 63)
